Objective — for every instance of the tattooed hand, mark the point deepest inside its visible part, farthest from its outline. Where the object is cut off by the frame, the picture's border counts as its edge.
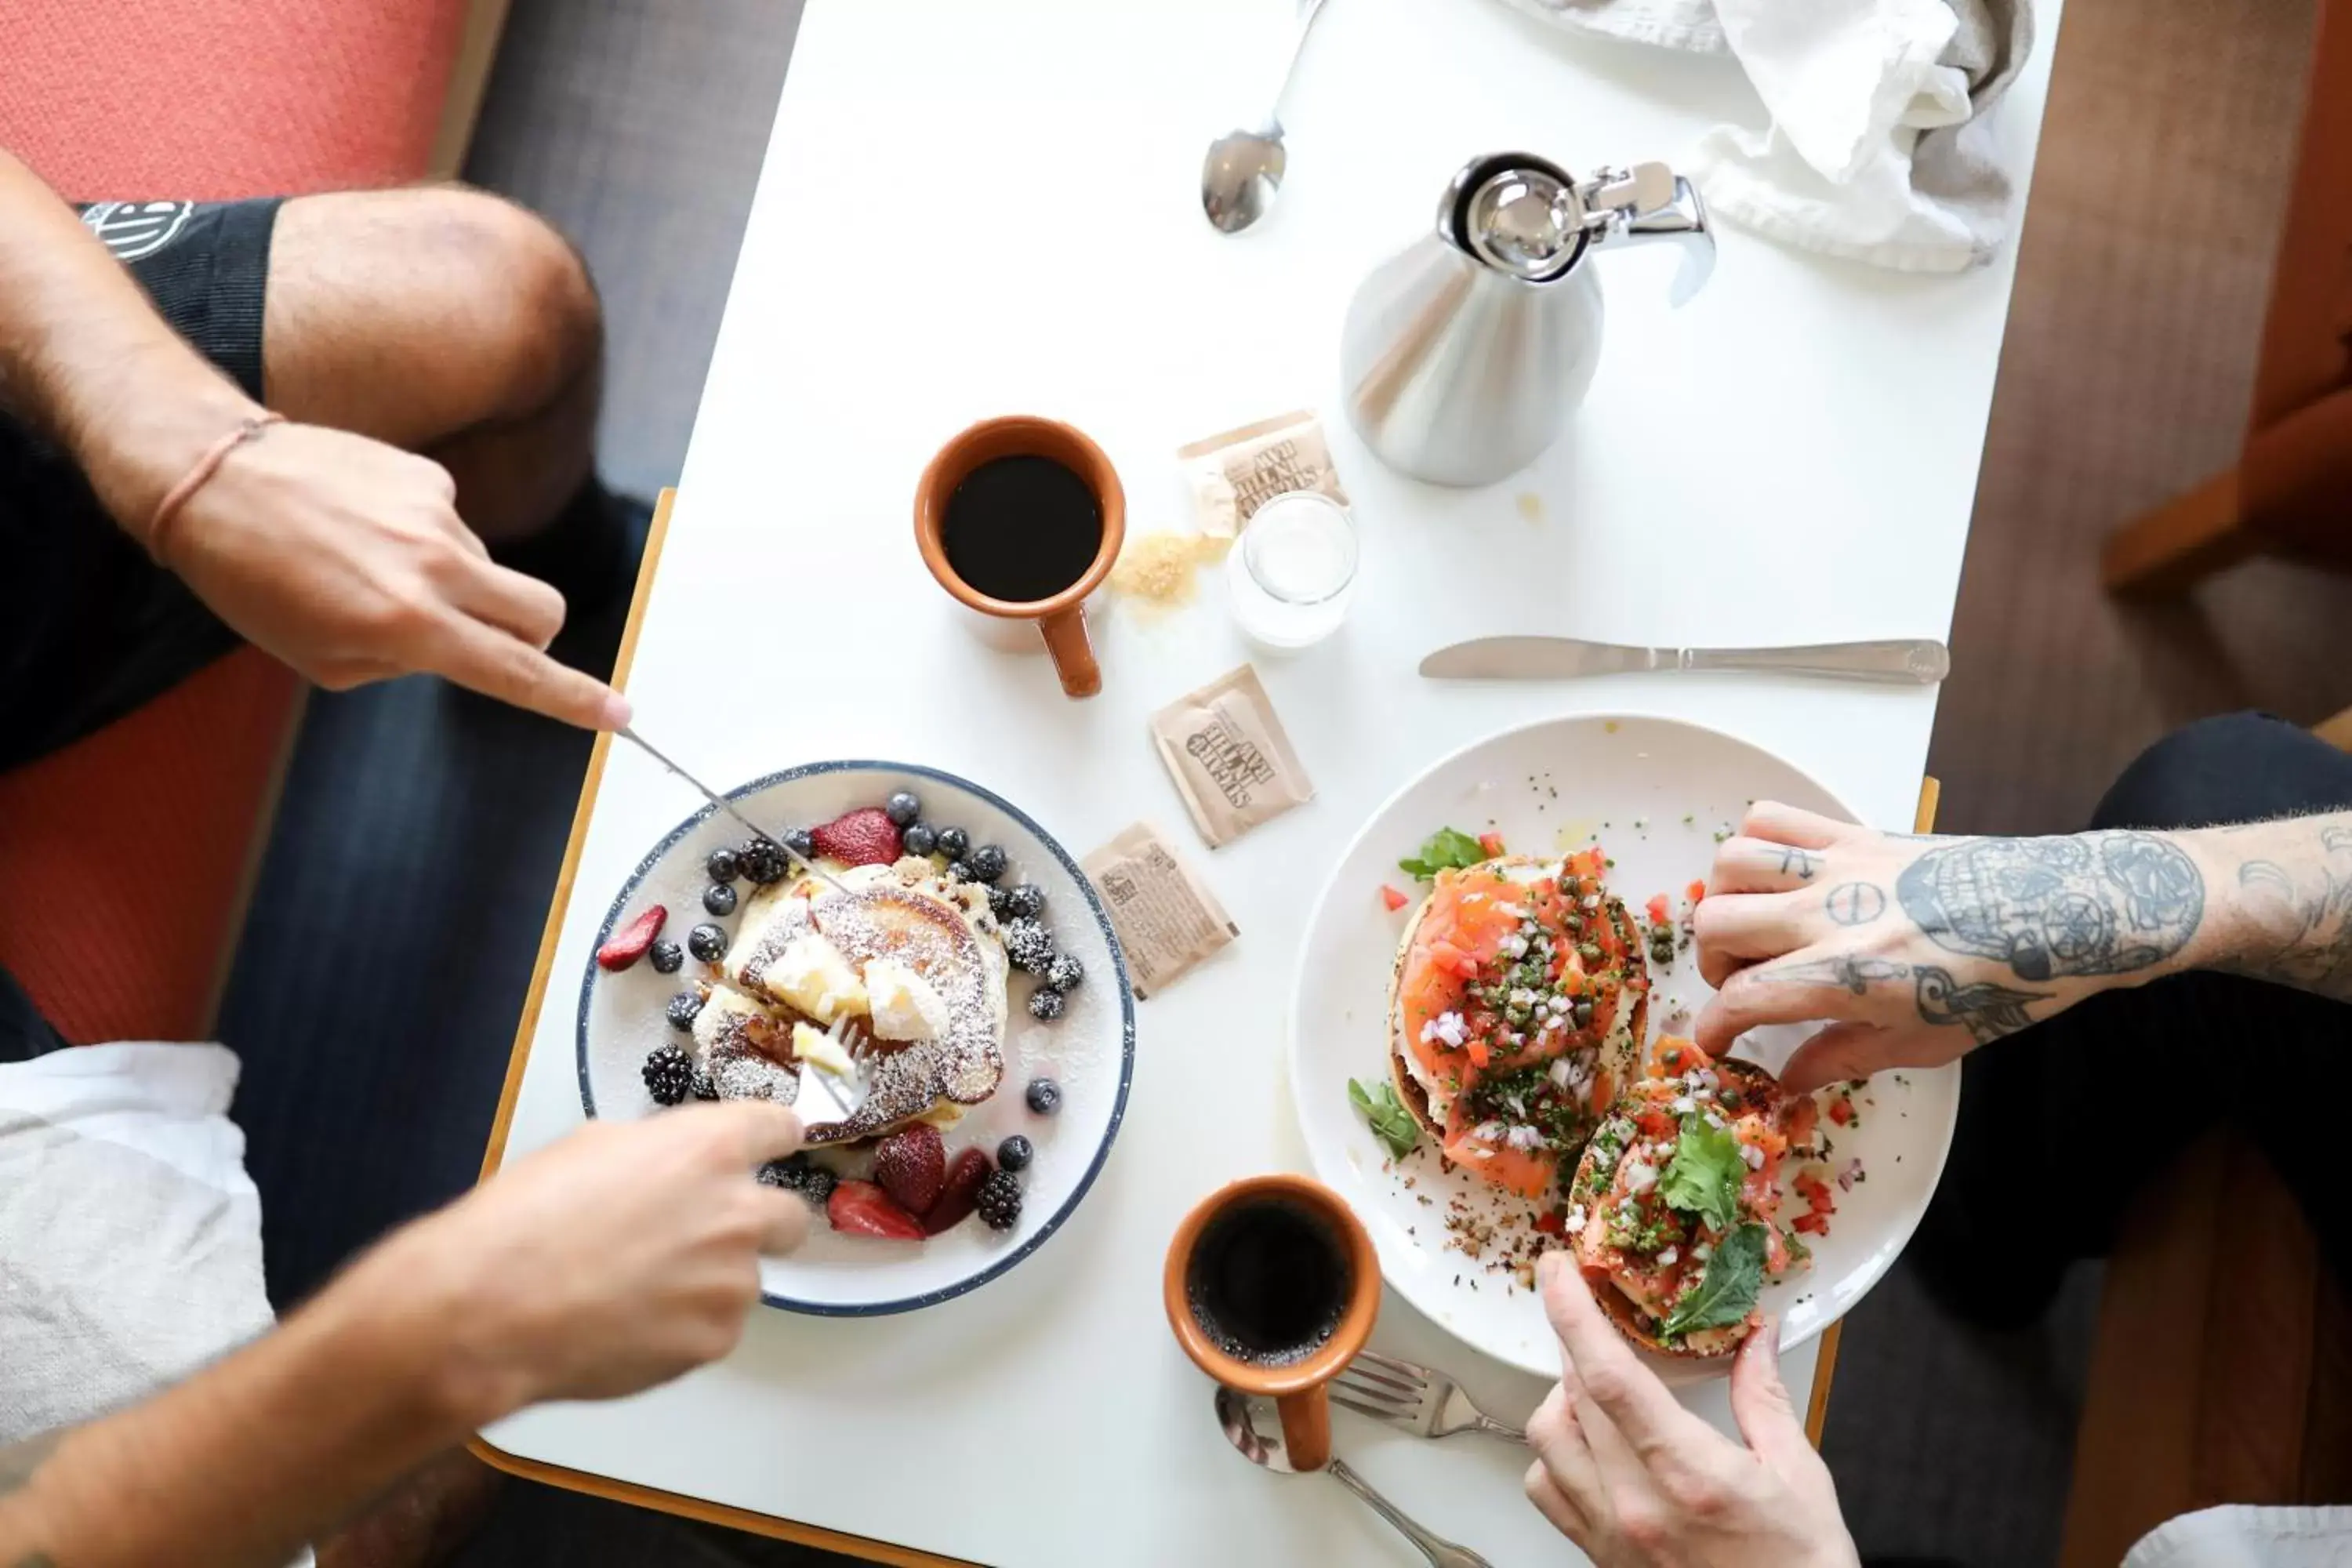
(1915, 951)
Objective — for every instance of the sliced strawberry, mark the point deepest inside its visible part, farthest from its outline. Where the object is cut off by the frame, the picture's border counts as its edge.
(861, 1208)
(866, 836)
(961, 1195)
(630, 943)
(912, 1165)
(1392, 898)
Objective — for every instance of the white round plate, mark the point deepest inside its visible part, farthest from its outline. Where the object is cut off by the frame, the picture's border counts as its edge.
(1089, 1050)
(1655, 793)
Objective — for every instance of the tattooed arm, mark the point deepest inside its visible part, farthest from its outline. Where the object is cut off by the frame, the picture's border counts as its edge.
(1915, 951)
(606, 1263)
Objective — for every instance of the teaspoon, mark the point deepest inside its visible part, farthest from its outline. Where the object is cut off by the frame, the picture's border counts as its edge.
(1244, 168)
(1238, 1414)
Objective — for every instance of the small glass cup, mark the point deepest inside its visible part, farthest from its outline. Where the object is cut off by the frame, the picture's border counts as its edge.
(1293, 571)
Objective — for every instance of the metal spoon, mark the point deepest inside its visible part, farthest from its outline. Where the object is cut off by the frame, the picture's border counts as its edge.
(1244, 168)
(1253, 1427)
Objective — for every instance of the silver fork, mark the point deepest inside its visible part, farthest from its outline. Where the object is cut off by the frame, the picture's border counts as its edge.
(1424, 1401)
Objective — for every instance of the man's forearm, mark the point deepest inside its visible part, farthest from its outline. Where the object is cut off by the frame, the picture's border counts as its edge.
(2279, 901)
(85, 359)
(242, 1463)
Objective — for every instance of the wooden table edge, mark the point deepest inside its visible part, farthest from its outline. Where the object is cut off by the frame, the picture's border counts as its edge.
(1816, 1407)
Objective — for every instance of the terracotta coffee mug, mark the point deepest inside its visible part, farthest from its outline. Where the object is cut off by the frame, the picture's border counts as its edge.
(1293, 1379)
(1057, 623)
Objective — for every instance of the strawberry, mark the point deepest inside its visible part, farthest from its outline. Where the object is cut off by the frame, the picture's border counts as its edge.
(912, 1165)
(630, 943)
(866, 836)
(861, 1208)
(960, 1195)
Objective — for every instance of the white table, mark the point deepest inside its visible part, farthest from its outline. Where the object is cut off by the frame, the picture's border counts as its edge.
(974, 209)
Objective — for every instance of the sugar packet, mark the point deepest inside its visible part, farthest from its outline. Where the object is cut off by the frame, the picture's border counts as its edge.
(1230, 756)
(1233, 474)
(1166, 918)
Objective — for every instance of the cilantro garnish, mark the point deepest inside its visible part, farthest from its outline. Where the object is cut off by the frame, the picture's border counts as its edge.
(1391, 1123)
(1706, 1174)
(1728, 1290)
(1448, 849)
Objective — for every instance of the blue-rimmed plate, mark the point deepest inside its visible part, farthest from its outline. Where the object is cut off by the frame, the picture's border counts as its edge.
(1089, 1051)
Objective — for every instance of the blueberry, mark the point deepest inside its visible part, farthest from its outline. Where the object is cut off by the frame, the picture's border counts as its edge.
(953, 842)
(719, 897)
(902, 809)
(919, 839)
(1064, 972)
(1046, 1004)
(987, 863)
(1044, 1094)
(683, 1008)
(724, 865)
(1016, 1153)
(667, 957)
(764, 861)
(1029, 945)
(800, 842)
(1027, 900)
(706, 942)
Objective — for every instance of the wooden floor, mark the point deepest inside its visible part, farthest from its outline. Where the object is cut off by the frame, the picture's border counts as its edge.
(2128, 359)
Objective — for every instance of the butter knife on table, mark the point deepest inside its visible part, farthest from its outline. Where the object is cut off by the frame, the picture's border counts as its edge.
(1901, 662)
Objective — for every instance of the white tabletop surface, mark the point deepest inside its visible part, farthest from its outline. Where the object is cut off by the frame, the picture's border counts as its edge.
(978, 209)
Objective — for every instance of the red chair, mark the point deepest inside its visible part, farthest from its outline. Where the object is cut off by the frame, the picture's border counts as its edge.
(124, 859)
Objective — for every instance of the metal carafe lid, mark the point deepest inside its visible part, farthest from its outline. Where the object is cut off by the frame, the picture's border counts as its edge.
(1524, 219)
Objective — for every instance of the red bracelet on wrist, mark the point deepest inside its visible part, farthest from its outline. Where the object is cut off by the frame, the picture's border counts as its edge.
(248, 429)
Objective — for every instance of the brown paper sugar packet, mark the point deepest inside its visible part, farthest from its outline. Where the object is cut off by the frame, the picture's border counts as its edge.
(1231, 759)
(1166, 918)
(1233, 474)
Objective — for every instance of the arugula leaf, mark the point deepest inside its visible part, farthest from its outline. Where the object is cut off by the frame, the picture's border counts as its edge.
(1728, 1290)
(1391, 1123)
(1706, 1174)
(1448, 849)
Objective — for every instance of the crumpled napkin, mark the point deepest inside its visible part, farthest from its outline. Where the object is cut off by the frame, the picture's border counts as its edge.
(1877, 149)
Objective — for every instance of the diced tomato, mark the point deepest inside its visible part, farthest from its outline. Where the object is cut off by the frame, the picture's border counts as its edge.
(1657, 1123)
(1491, 843)
(1392, 898)
(1587, 862)
(1841, 1111)
(1695, 892)
(1551, 1225)
(1816, 1194)
(1657, 909)
(1812, 1224)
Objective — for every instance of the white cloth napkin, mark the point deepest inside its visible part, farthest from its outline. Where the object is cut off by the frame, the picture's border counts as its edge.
(2234, 1536)
(1877, 146)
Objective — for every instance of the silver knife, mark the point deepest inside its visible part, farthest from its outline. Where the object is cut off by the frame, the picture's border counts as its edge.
(723, 804)
(1907, 662)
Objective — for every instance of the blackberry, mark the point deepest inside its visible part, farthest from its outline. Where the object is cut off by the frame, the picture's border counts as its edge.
(1029, 945)
(902, 808)
(987, 863)
(719, 897)
(1000, 1201)
(669, 1074)
(706, 942)
(667, 957)
(953, 842)
(1044, 1094)
(961, 871)
(1066, 972)
(999, 903)
(1027, 900)
(799, 1173)
(683, 1008)
(1046, 1004)
(703, 1085)
(800, 842)
(763, 861)
(724, 865)
(1015, 1153)
(919, 839)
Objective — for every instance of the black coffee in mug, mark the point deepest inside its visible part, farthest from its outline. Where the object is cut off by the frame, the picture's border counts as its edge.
(1268, 1281)
(1022, 528)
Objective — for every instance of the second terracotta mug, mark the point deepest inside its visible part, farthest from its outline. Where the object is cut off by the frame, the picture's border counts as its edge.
(1272, 1287)
(1058, 621)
